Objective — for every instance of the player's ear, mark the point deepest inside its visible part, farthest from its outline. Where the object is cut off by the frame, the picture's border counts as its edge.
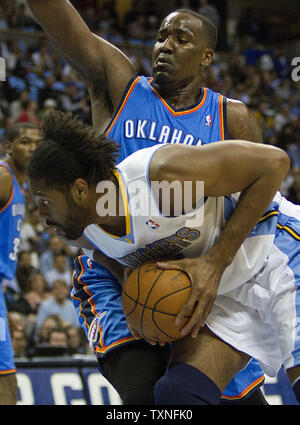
(79, 191)
(207, 57)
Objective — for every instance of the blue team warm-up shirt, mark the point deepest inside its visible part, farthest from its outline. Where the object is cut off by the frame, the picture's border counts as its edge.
(11, 219)
(144, 119)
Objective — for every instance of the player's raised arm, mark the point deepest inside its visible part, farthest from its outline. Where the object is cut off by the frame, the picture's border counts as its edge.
(255, 170)
(100, 64)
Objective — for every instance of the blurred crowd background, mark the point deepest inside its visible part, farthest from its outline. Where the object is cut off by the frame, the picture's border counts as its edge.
(252, 63)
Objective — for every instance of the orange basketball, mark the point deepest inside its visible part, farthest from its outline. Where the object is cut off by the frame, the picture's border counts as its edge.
(152, 298)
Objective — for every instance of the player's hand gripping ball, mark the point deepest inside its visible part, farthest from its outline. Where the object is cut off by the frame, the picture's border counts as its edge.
(151, 300)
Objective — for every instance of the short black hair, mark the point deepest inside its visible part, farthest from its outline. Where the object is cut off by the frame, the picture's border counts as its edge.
(210, 30)
(71, 149)
(15, 129)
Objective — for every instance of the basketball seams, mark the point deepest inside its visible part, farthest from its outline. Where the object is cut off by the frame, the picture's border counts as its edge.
(138, 294)
(152, 309)
(145, 302)
(169, 295)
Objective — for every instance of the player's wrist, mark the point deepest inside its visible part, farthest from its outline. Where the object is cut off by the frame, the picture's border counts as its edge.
(220, 256)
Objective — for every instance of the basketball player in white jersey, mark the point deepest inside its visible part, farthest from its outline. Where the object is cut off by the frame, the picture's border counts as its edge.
(245, 252)
(177, 106)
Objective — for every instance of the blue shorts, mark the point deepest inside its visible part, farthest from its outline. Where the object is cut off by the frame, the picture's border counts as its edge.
(96, 296)
(7, 365)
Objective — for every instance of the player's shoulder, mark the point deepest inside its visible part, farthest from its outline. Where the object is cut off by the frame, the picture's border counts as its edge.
(241, 123)
(236, 109)
(6, 181)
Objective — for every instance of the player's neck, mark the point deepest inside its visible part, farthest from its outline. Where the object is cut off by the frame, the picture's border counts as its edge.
(181, 95)
(19, 174)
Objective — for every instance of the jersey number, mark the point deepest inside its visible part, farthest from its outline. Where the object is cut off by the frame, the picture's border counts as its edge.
(14, 253)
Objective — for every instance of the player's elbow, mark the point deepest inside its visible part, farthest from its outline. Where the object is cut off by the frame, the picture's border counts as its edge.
(278, 162)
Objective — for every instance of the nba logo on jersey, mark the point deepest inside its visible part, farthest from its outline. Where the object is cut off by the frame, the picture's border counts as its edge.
(150, 223)
(208, 120)
(89, 264)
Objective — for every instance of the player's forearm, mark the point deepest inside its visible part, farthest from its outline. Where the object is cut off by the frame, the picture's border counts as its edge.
(252, 203)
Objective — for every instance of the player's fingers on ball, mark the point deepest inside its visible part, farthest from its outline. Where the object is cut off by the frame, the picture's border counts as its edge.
(196, 321)
(127, 272)
(196, 330)
(190, 325)
(207, 310)
(185, 311)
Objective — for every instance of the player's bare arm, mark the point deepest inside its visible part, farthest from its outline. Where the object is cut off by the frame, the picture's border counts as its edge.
(241, 124)
(6, 185)
(103, 67)
(254, 170)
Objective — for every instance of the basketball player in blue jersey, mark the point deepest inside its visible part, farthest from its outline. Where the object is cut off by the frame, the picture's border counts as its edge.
(22, 140)
(139, 112)
(244, 254)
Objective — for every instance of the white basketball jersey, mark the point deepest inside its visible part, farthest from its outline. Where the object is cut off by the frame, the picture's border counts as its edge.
(150, 235)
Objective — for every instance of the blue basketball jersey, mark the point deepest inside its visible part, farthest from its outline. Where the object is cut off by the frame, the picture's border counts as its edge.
(11, 220)
(144, 119)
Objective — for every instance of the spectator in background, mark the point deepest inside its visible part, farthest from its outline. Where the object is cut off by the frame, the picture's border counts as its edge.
(24, 270)
(48, 105)
(25, 64)
(33, 235)
(74, 100)
(42, 59)
(282, 117)
(28, 113)
(248, 26)
(19, 342)
(29, 300)
(56, 246)
(208, 10)
(10, 51)
(15, 108)
(76, 340)
(58, 337)
(51, 321)
(19, 283)
(59, 304)
(49, 89)
(59, 270)
(38, 284)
